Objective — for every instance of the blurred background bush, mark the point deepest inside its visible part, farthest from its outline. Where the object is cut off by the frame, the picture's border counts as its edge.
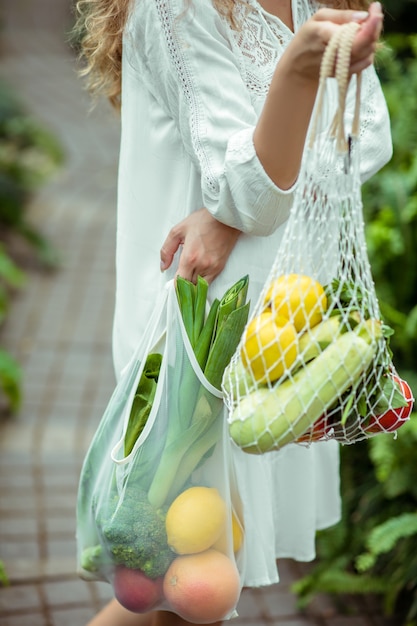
(29, 154)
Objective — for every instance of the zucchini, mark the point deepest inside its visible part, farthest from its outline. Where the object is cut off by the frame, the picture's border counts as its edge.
(270, 418)
(316, 339)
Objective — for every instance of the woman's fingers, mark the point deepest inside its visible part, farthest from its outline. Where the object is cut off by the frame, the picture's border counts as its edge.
(337, 16)
(369, 33)
(205, 246)
(365, 42)
(306, 50)
(170, 247)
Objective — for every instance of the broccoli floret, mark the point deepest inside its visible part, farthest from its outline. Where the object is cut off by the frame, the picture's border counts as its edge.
(91, 558)
(136, 537)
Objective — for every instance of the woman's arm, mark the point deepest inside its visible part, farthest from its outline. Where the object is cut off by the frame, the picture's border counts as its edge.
(287, 111)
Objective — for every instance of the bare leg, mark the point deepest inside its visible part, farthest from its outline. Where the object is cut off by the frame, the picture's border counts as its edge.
(113, 614)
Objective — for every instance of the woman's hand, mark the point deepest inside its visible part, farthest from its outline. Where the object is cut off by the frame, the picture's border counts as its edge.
(306, 50)
(206, 246)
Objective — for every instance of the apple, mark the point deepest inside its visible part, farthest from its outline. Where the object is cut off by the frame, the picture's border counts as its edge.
(136, 591)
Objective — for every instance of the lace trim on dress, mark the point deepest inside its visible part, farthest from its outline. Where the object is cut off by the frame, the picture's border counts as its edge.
(262, 41)
(169, 26)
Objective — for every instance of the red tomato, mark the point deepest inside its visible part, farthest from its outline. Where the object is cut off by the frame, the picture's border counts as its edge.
(393, 418)
(316, 431)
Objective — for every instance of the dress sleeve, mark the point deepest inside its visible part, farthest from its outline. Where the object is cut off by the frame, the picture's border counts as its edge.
(186, 61)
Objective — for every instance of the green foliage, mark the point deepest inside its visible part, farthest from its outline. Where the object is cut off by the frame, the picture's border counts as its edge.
(383, 538)
(4, 581)
(11, 277)
(335, 579)
(10, 380)
(390, 202)
(374, 548)
(29, 154)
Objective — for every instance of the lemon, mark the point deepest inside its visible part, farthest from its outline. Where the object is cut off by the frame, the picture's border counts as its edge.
(237, 533)
(270, 346)
(237, 537)
(299, 298)
(195, 520)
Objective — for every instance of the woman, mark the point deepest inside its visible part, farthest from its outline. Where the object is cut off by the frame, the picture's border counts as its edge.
(216, 99)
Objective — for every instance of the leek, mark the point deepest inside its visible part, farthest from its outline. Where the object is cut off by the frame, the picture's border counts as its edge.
(195, 422)
(186, 296)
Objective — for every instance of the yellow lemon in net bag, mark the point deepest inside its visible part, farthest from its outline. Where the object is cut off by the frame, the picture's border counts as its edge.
(270, 346)
(299, 298)
(195, 520)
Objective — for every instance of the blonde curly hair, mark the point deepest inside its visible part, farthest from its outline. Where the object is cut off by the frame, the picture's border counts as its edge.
(98, 32)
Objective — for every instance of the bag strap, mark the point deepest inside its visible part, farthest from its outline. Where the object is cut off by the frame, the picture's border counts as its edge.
(335, 62)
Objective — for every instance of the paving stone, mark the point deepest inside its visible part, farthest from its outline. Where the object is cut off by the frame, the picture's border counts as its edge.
(277, 602)
(297, 620)
(20, 548)
(19, 597)
(16, 438)
(322, 606)
(66, 593)
(62, 548)
(34, 618)
(249, 606)
(15, 527)
(349, 620)
(102, 591)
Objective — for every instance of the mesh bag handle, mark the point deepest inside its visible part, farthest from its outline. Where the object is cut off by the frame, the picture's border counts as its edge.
(337, 56)
(314, 362)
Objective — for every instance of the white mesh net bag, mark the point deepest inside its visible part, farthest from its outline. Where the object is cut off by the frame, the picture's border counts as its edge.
(314, 361)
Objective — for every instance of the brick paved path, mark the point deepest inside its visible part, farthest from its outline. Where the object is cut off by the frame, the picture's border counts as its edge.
(59, 330)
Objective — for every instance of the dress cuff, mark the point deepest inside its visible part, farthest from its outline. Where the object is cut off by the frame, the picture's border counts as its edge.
(256, 205)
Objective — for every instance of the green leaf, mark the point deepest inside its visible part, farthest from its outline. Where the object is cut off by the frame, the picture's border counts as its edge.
(9, 271)
(391, 397)
(4, 580)
(186, 296)
(142, 401)
(10, 379)
(384, 537)
(199, 307)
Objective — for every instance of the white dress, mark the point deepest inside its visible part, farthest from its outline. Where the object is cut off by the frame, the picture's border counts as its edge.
(192, 91)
